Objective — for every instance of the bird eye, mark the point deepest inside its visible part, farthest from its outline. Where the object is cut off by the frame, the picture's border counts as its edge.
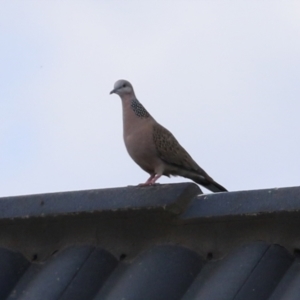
(124, 85)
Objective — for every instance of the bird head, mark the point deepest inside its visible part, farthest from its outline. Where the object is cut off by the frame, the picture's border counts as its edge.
(122, 87)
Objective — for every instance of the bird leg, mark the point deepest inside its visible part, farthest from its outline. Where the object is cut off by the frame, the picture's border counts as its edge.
(151, 180)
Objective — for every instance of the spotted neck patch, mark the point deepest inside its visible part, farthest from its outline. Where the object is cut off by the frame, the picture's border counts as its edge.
(139, 109)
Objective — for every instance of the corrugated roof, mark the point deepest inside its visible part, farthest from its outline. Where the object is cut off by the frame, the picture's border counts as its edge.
(161, 242)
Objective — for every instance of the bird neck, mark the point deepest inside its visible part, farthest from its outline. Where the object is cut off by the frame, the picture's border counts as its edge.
(130, 102)
(134, 113)
(139, 110)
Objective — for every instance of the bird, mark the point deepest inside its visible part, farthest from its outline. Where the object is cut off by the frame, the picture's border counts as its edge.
(153, 147)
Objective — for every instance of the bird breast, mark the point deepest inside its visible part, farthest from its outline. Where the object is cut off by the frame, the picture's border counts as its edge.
(140, 146)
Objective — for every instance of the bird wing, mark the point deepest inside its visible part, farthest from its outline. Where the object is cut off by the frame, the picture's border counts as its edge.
(170, 151)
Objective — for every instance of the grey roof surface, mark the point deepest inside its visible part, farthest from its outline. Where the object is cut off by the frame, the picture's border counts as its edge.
(161, 242)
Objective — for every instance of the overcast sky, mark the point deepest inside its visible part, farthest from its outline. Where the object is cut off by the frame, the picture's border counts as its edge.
(222, 76)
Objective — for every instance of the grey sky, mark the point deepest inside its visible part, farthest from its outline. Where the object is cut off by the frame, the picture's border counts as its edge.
(223, 76)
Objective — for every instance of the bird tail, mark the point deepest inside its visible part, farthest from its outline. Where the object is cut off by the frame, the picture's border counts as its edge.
(200, 177)
(215, 187)
(208, 183)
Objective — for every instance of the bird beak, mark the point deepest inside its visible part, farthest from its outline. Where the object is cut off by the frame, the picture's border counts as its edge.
(113, 91)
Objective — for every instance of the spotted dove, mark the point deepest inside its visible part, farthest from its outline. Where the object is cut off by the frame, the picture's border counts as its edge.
(153, 147)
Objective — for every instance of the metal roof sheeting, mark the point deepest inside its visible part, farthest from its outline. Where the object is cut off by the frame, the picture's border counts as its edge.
(162, 242)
